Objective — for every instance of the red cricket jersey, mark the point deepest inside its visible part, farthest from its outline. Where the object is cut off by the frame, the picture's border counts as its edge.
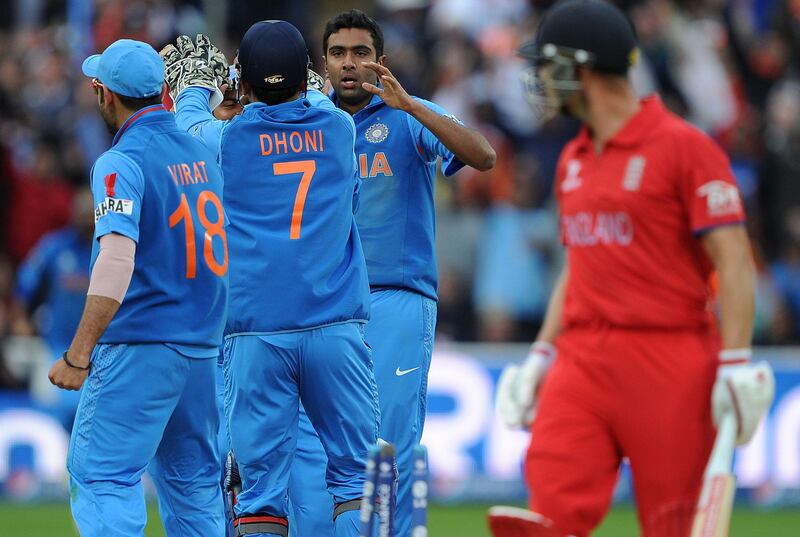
(631, 216)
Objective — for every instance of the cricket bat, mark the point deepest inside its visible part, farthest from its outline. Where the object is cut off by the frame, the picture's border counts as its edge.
(713, 515)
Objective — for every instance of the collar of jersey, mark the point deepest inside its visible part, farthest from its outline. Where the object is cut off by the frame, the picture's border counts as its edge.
(375, 101)
(635, 131)
(137, 117)
(300, 101)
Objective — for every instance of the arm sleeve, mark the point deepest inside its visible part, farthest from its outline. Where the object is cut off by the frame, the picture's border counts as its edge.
(708, 187)
(113, 268)
(193, 114)
(118, 189)
(429, 146)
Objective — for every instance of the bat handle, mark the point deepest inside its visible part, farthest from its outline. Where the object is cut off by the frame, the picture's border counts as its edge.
(722, 454)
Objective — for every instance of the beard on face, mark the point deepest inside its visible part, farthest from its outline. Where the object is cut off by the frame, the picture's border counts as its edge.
(108, 119)
(356, 95)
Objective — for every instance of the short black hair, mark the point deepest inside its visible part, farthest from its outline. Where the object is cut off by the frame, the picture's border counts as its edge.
(275, 96)
(134, 103)
(354, 18)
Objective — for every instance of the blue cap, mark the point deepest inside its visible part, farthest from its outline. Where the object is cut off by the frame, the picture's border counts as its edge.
(273, 55)
(129, 68)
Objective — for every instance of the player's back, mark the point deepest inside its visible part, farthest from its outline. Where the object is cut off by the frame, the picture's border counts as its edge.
(290, 183)
(179, 285)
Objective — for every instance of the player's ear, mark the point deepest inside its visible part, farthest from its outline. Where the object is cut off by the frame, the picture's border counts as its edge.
(245, 86)
(382, 59)
(325, 64)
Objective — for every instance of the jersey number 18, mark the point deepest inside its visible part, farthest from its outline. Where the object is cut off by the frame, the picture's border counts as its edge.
(212, 229)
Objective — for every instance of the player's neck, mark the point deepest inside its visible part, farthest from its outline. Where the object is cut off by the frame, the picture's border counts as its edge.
(354, 108)
(609, 113)
(123, 115)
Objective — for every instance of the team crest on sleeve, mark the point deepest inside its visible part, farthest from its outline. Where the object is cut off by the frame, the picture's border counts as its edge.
(377, 132)
(721, 198)
(113, 205)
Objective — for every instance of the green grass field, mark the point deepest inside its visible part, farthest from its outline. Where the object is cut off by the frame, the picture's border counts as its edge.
(53, 520)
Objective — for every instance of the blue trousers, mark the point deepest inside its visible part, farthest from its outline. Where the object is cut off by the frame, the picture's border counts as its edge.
(146, 405)
(329, 369)
(400, 332)
(223, 442)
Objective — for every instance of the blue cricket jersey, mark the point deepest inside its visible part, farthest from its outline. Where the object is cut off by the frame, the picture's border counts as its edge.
(160, 187)
(58, 270)
(291, 186)
(396, 216)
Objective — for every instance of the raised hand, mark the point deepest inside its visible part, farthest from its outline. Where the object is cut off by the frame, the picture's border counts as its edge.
(391, 91)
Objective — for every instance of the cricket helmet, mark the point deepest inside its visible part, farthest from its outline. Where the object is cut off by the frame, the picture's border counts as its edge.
(578, 33)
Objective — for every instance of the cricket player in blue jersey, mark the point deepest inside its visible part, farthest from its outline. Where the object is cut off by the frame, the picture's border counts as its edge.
(399, 139)
(299, 292)
(154, 315)
(51, 287)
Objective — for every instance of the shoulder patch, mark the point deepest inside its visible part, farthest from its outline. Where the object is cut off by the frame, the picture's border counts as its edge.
(113, 205)
(110, 181)
(721, 198)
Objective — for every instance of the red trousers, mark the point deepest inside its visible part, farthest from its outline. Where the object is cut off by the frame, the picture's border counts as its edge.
(614, 393)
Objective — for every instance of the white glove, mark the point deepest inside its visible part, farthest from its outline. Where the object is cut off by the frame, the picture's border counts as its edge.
(743, 389)
(519, 384)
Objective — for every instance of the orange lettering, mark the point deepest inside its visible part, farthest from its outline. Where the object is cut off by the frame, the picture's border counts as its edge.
(307, 168)
(202, 164)
(187, 173)
(299, 147)
(380, 165)
(173, 172)
(264, 150)
(311, 140)
(281, 142)
(198, 177)
(362, 165)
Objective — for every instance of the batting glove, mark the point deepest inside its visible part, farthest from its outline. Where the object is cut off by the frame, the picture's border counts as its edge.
(519, 384)
(185, 67)
(743, 389)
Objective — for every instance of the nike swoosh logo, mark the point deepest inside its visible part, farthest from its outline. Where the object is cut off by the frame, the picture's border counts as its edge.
(400, 372)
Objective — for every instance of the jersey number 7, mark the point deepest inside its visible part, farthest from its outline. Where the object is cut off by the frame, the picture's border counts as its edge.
(307, 168)
(212, 229)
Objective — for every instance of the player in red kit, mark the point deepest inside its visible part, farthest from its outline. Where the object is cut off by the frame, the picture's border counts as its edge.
(649, 210)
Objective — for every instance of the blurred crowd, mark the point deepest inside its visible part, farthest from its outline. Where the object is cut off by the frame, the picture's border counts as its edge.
(732, 67)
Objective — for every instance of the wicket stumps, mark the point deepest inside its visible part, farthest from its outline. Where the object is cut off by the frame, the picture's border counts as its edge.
(368, 500)
(419, 493)
(380, 492)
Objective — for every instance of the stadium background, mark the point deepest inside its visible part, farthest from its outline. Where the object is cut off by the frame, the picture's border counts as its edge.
(729, 66)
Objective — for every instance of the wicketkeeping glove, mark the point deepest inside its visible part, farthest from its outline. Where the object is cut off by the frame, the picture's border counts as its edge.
(315, 81)
(185, 67)
(743, 389)
(207, 51)
(518, 385)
